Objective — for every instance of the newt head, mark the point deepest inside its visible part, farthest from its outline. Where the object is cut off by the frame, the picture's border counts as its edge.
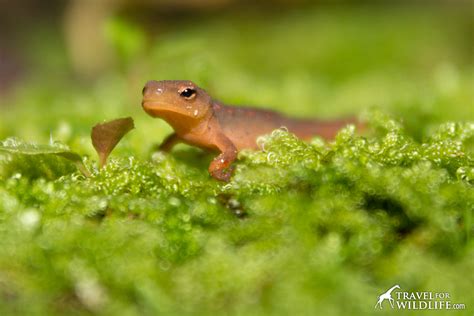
(175, 99)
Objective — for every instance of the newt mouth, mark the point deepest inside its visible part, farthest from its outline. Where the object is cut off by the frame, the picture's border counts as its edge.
(155, 108)
(148, 104)
(154, 105)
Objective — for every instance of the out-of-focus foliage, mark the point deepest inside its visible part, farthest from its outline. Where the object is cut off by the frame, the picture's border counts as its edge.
(39, 160)
(301, 229)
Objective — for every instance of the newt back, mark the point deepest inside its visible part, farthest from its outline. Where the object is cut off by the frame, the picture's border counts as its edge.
(243, 125)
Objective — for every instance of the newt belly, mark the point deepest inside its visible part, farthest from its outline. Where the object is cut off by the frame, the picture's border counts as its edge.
(200, 121)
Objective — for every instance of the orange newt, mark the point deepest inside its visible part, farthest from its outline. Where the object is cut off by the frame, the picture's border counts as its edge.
(200, 121)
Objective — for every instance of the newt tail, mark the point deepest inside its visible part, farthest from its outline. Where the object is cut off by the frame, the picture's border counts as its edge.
(200, 121)
(308, 128)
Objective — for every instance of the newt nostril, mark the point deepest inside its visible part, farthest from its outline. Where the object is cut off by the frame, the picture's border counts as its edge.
(151, 87)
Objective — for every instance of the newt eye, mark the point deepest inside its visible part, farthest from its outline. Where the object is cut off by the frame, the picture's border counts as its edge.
(188, 93)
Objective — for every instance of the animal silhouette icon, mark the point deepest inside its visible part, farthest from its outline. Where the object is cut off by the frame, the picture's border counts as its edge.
(387, 296)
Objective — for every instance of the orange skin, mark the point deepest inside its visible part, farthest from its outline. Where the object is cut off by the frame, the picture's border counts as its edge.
(200, 121)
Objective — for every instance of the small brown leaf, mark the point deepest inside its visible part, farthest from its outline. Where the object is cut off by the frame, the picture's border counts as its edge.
(106, 136)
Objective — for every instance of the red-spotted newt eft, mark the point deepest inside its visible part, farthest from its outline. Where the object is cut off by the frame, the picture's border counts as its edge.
(200, 121)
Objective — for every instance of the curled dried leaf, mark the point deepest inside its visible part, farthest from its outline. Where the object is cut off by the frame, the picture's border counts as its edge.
(105, 136)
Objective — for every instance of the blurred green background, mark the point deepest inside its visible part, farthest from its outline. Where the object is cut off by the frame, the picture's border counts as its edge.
(125, 243)
(84, 61)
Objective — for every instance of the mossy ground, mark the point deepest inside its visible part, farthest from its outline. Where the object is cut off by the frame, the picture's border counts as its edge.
(302, 229)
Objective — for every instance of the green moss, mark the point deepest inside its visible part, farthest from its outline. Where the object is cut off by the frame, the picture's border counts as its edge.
(160, 231)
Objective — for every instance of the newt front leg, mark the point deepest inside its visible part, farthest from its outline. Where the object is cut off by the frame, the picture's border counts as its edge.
(169, 142)
(221, 167)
